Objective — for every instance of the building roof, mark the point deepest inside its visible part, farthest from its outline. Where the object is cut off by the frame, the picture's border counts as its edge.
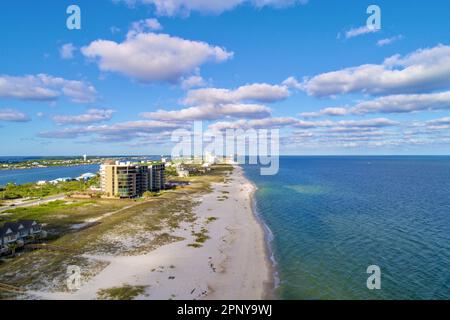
(28, 223)
(14, 226)
(4, 231)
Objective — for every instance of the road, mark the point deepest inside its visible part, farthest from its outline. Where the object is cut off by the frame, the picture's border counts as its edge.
(34, 202)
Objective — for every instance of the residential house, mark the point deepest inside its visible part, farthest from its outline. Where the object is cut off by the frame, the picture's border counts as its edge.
(19, 233)
(7, 237)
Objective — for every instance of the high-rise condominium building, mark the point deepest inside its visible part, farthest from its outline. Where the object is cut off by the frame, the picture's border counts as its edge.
(129, 180)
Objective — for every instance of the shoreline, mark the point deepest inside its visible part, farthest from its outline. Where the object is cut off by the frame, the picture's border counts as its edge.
(268, 238)
(232, 264)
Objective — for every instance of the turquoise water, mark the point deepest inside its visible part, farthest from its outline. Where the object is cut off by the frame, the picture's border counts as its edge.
(51, 173)
(332, 217)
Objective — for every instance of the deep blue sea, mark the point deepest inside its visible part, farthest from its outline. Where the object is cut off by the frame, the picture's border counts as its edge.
(332, 217)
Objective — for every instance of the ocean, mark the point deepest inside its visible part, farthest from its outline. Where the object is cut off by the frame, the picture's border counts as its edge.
(332, 217)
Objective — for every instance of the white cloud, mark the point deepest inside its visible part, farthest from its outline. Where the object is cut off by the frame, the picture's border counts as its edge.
(13, 115)
(211, 112)
(214, 103)
(292, 83)
(440, 122)
(355, 32)
(269, 123)
(369, 123)
(153, 24)
(91, 116)
(144, 25)
(259, 92)
(44, 87)
(66, 51)
(401, 103)
(123, 131)
(404, 103)
(388, 41)
(185, 7)
(192, 81)
(151, 57)
(423, 70)
(332, 111)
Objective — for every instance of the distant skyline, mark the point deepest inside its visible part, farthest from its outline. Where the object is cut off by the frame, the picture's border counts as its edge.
(139, 69)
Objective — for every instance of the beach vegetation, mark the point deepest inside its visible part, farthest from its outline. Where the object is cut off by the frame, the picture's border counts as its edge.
(34, 191)
(127, 292)
(150, 194)
(211, 219)
(202, 236)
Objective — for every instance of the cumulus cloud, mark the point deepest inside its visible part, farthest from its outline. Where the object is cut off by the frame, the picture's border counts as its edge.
(119, 131)
(388, 41)
(185, 7)
(270, 123)
(192, 81)
(440, 122)
(216, 103)
(153, 24)
(149, 57)
(144, 25)
(43, 87)
(292, 83)
(258, 92)
(368, 123)
(211, 112)
(91, 116)
(332, 111)
(421, 71)
(356, 32)
(401, 103)
(405, 103)
(13, 115)
(66, 51)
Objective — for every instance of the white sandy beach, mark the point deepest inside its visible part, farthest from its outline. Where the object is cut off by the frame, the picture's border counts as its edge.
(232, 264)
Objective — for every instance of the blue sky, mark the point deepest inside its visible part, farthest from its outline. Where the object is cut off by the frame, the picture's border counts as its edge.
(137, 70)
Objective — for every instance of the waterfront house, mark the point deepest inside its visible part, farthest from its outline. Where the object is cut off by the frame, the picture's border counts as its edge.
(7, 236)
(86, 176)
(19, 233)
(31, 229)
(56, 181)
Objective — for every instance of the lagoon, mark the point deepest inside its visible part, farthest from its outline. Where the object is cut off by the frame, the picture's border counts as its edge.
(36, 174)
